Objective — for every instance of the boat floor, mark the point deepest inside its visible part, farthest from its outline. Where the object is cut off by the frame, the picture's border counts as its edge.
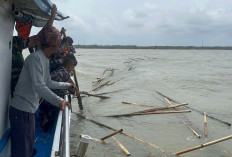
(43, 140)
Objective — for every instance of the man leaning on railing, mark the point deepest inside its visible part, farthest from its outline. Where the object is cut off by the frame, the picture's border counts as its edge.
(35, 82)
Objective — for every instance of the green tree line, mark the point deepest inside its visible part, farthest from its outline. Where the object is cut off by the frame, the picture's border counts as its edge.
(152, 47)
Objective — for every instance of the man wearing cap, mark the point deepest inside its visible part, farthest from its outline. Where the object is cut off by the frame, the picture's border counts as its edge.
(35, 82)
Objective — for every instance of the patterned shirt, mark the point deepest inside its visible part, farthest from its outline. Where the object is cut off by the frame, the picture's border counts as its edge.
(17, 60)
(60, 75)
(54, 64)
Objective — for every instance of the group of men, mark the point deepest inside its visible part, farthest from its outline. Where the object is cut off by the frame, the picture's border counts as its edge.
(35, 78)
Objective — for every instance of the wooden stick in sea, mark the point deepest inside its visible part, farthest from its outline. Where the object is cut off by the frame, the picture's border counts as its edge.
(98, 79)
(122, 147)
(110, 83)
(203, 145)
(205, 125)
(100, 86)
(168, 101)
(112, 134)
(77, 91)
(161, 108)
(124, 133)
(195, 133)
(147, 113)
(110, 92)
(131, 103)
(227, 123)
(94, 95)
(95, 139)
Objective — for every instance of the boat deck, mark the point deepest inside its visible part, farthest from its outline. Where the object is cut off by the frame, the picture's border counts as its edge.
(43, 140)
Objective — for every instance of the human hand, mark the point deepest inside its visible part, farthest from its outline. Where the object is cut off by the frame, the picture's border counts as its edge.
(54, 9)
(63, 105)
(72, 87)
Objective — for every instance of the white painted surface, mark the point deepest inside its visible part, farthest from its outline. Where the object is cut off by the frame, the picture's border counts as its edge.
(6, 33)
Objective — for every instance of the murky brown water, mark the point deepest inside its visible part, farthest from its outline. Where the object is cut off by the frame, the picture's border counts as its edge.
(200, 77)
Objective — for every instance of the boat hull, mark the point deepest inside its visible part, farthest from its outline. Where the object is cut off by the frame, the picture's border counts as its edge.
(6, 31)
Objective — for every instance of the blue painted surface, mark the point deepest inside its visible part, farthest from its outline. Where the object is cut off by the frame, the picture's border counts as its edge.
(44, 140)
(5, 139)
(46, 6)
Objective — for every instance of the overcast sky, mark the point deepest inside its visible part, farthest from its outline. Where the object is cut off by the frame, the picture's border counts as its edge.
(148, 22)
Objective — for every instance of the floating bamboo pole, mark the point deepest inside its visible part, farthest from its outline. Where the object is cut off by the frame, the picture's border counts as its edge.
(168, 101)
(95, 139)
(94, 95)
(131, 103)
(122, 147)
(110, 83)
(100, 86)
(162, 108)
(195, 133)
(114, 133)
(203, 145)
(98, 79)
(227, 123)
(124, 133)
(147, 113)
(205, 125)
(111, 92)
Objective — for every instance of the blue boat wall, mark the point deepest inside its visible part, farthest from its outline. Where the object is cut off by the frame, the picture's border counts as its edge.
(39, 10)
(6, 33)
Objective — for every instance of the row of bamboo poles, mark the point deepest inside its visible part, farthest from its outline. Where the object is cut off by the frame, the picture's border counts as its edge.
(153, 110)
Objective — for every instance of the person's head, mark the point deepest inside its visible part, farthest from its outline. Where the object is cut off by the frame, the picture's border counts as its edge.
(71, 57)
(69, 64)
(68, 39)
(49, 38)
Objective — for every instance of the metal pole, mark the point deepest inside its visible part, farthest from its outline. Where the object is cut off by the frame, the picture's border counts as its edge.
(83, 145)
(65, 151)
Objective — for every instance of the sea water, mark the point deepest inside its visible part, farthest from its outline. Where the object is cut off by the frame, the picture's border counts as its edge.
(201, 78)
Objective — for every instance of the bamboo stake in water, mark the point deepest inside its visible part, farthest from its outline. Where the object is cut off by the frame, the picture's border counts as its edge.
(227, 123)
(131, 103)
(100, 86)
(95, 139)
(94, 95)
(114, 133)
(195, 133)
(168, 101)
(126, 134)
(98, 79)
(147, 113)
(203, 145)
(110, 83)
(162, 108)
(122, 147)
(205, 125)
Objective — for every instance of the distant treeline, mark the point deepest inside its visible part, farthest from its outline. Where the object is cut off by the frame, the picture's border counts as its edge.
(152, 47)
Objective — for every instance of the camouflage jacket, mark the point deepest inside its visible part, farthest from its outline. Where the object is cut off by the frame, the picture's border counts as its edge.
(54, 64)
(17, 60)
(61, 75)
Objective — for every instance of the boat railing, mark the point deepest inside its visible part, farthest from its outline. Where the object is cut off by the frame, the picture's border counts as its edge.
(60, 145)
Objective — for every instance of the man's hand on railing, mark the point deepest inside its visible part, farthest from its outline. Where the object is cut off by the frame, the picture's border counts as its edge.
(63, 105)
(73, 88)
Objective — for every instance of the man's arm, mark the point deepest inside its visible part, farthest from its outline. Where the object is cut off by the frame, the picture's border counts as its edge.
(57, 85)
(35, 71)
(52, 18)
(35, 40)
